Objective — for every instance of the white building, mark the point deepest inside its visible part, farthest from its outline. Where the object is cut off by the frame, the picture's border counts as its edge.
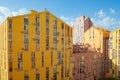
(79, 27)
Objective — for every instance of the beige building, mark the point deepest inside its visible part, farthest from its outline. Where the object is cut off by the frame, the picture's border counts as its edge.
(98, 39)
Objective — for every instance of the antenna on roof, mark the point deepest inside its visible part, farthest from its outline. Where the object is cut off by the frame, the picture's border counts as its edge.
(45, 9)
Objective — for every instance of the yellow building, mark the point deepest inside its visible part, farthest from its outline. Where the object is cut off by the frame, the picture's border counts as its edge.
(98, 38)
(114, 53)
(35, 46)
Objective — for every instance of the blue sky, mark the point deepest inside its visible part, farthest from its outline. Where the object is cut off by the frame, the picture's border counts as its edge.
(105, 13)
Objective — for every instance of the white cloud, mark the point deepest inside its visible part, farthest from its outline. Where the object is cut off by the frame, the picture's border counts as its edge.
(112, 11)
(5, 12)
(106, 21)
(100, 13)
(68, 20)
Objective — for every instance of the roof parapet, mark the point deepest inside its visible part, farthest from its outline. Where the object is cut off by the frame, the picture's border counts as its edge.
(33, 12)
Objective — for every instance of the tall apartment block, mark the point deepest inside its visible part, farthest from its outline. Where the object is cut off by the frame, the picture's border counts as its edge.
(98, 39)
(79, 27)
(114, 53)
(87, 63)
(35, 46)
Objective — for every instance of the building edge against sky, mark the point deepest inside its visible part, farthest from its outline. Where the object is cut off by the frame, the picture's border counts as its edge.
(39, 39)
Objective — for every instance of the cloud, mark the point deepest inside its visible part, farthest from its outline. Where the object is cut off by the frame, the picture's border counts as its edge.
(105, 20)
(100, 13)
(112, 11)
(68, 20)
(5, 12)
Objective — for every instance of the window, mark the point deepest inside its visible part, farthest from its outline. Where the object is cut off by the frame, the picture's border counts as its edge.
(51, 58)
(37, 24)
(47, 43)
(10, 62)
(62, 30)
(62, 72)
(19, 61)
(26, 23)
(42, 59)
(10, 36)
(26, 41)
(26, 37)
(37, 42)
(37, 32)
(113, 54)
(58, 58)
(47, 73)
(33, 59)
(10, 24)
(55, 73)
(62, 43)
(110, 64)
(26, 77)
(67, 70)
(47, 31)
(26, 33)
(37, 74)
(55, 34)
(47, 24)
(55, 42)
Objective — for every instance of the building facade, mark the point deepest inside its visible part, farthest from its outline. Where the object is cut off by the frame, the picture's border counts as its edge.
(87, 63)
(114, 53)
(79, 27)
(98, 39)
(35, 46)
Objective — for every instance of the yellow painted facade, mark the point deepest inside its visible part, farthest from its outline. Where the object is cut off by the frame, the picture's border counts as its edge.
(95, 37)
(35, 46)
(98, 38)
(114, 53)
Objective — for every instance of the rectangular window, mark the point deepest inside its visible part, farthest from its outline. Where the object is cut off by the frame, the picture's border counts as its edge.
(55, 73)
(55, 34)
(37, 24)
(37, 32)
(10, 62)
(26, 33)
(55, 42)
(10, 24)
(26, 23)
(47, 31)
(47, 43)
(62, 43)
(37, 42)
(26, 77)
(19, 61)
(58, 58)
(26, 37)
(10, 36)
(47, 73)
(42, 59)
(67, 70)
(47, 24)
(33, 60)
(37, 74)
(62, 72)
(51, 58)
(110, 64)
(113, 54)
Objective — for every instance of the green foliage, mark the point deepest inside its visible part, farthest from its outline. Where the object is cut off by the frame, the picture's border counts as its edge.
(110, 78)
